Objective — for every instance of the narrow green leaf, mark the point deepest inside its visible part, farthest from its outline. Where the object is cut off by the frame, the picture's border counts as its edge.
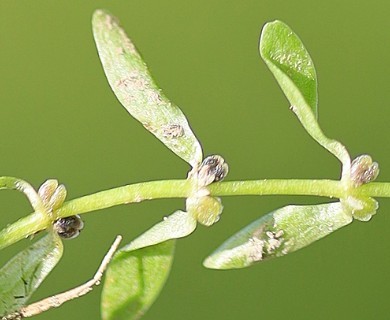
(24, 273)
(134, 87)
(134, 280)
(178, 225)
(291, 65)
(278, 233)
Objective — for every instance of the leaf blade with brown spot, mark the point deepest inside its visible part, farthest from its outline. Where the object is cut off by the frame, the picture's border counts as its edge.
(278, 233)
(134, 87)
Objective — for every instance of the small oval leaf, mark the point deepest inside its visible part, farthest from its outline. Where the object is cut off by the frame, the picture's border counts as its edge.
(292, 67)
(134, 279)
(24, 273)
(178, 225)
(289, 61)
(278, 233)
(134, 87)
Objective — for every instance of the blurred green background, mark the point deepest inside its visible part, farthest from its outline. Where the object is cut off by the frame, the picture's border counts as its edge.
(59, 119)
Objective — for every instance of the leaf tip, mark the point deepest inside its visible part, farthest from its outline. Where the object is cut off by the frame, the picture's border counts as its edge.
(99, 13)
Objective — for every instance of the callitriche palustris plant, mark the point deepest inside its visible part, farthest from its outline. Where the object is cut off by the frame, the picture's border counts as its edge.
(129, 289)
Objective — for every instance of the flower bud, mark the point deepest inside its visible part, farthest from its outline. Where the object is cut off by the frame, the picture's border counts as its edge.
(58, 197)
(68, 227)
(47, 189)
(363, 170)
(213, 169)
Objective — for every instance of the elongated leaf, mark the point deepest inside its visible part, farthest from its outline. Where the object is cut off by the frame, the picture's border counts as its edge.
(134, 280)
(24, 273)
(178, 225)
(134, 87)
(278, 233)
(290, 63)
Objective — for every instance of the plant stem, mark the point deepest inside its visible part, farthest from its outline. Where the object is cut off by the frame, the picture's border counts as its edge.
(375, 189)
(127, 194)
(34, 223)
(182, 189)
(324, 188)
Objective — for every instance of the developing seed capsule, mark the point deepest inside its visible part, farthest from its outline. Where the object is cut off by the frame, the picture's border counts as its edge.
(363, 170)
(213, 169)
(206, 210)
(69, 227)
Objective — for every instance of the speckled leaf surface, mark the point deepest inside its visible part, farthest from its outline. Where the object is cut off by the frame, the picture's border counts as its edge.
(134, 87)
(24, 273)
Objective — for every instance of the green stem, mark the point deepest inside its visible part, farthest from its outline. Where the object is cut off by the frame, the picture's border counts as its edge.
(375, 190)
(324, 188)
(183, 189)
(26, 226)
(125, 195)
(34, 223)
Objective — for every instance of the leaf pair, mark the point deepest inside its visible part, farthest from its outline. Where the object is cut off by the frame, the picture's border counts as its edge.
(145, 263)
(139, 270)
(24, 273)
(293, 227)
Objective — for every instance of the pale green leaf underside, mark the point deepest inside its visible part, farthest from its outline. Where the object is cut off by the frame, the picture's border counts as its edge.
(292, 67)
(278, 233)
(177, 225)
(291, 64)
(134, 280)
(24, 273)
(134, 87)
